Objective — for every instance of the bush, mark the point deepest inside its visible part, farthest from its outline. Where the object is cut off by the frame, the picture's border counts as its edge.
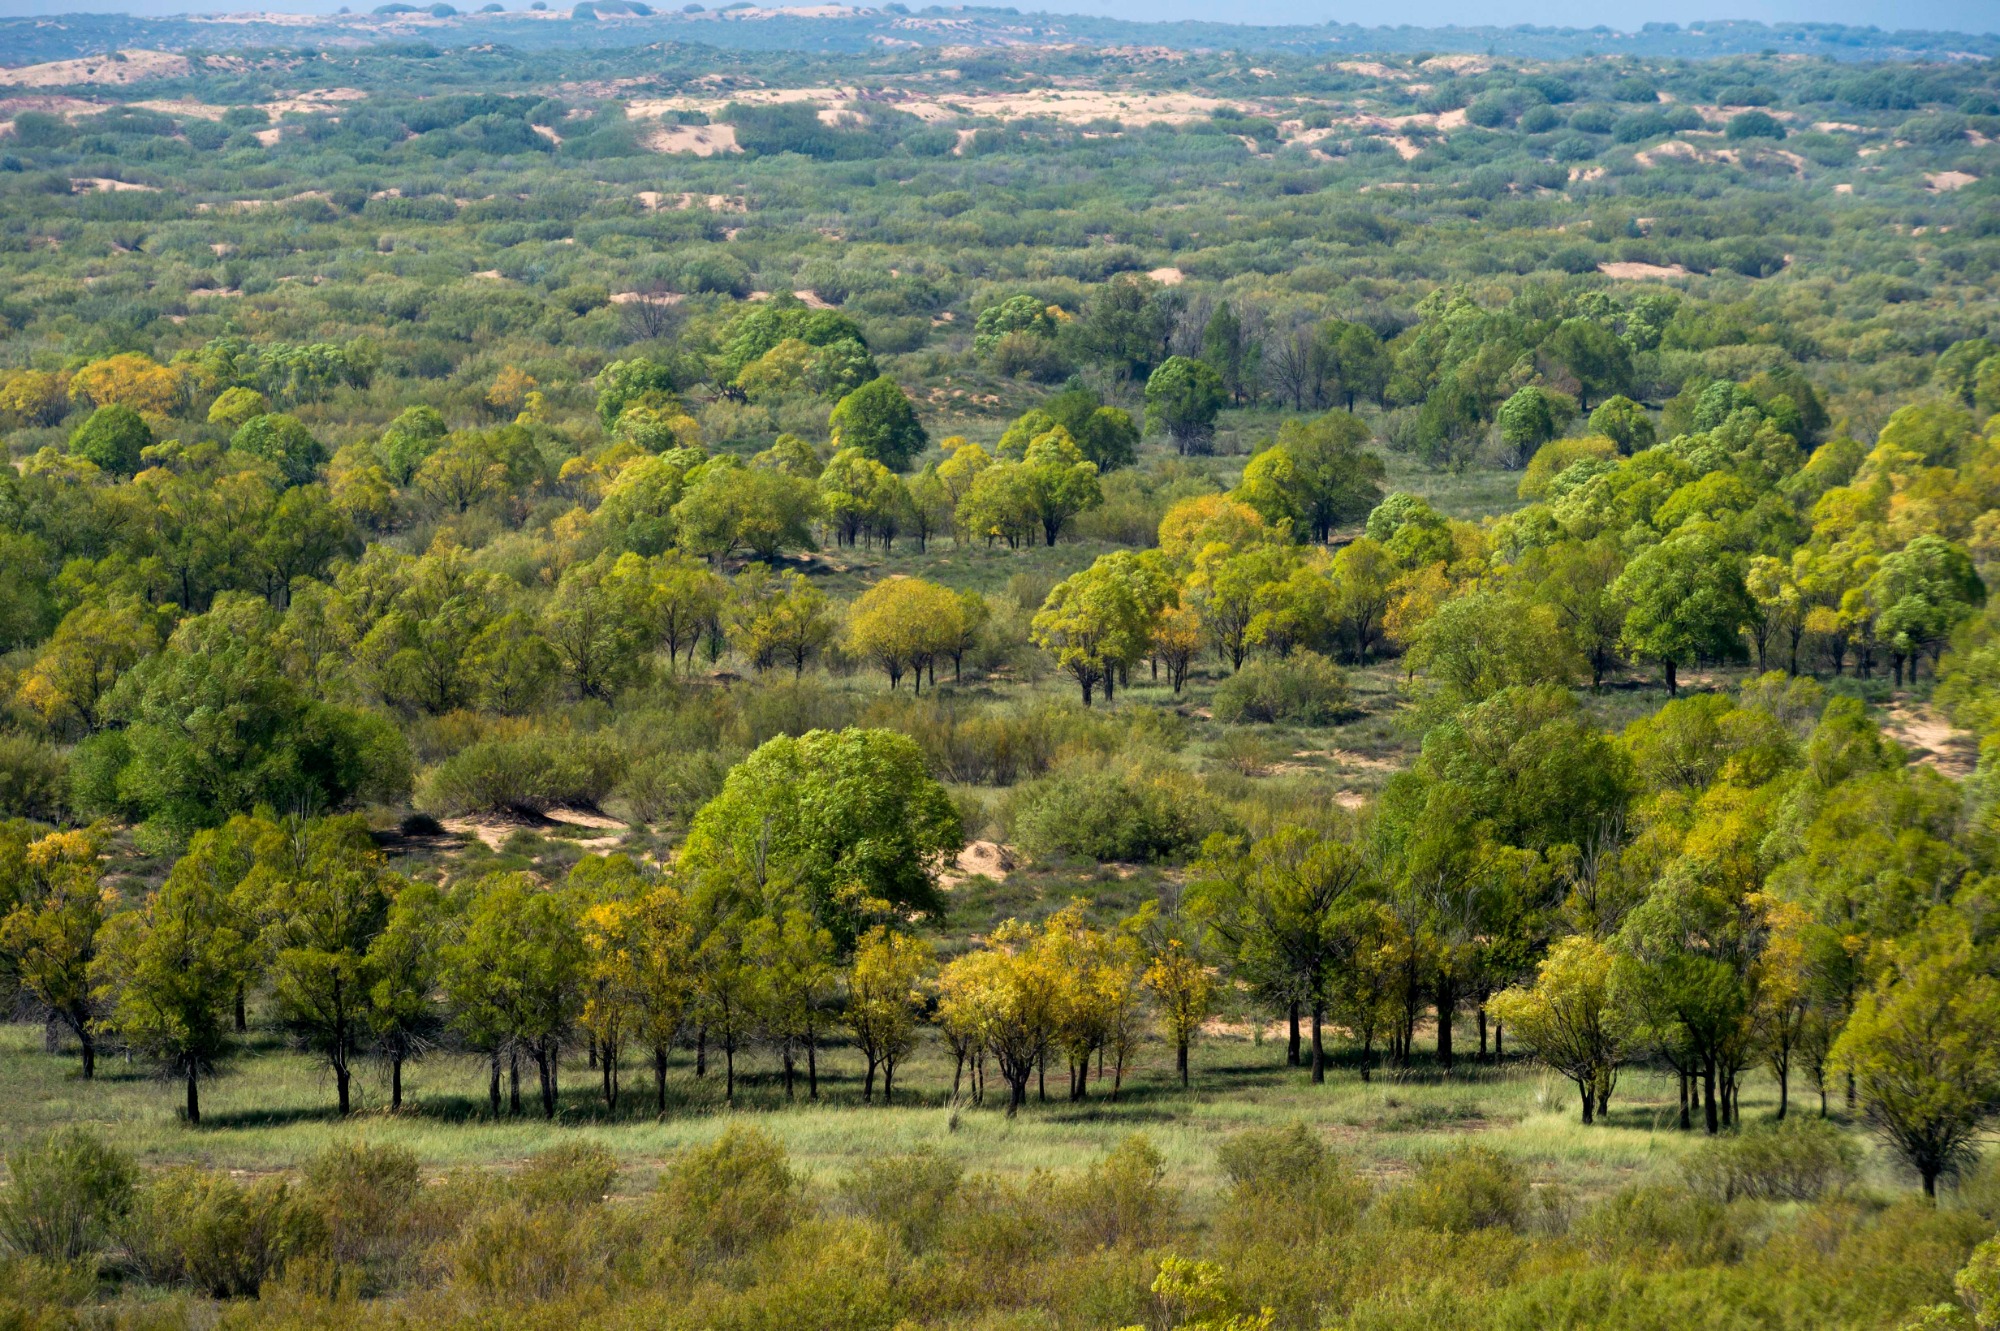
(570, 1176)
(64, 1195)
(202, 1228)
(1285, 1183)
(34, 779)
(113, 438)
(366, 1196)
(1100, 812)
(514, 1253)
(736, 1192)
(1754, 125)
(1304, 688)
(1557, 456)
(1797, 1160)
(907, 1194)
(1457, 1191)
(672, 785)
(531, 775)
(1659, 1226)
(1122, 1201)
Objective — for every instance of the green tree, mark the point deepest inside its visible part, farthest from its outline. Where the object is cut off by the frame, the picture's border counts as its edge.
(1625, 423)
(168, 973)
(112, 439)
(1923, 1047)
(285, 443)
(793, 959)
(1058, 481)
(402, 967)
(1920, 593)
(1568, 1018)
(515, 969)
(844, 819)
(48, 938)
(1317, 476)
(1600, 364)
(877, 418)
(1183, 398)
(322, 901)
(1685, 599)
(1096, 622)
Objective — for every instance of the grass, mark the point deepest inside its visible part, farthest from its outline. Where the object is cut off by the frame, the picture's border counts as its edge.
(271, 1109)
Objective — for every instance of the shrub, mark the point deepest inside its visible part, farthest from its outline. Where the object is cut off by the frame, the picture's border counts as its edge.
(1304, 688)
(513, 1252)
(529, 775)
(672, 785)
(366, 1195)
(1285, 1183)
(1122, 1201)
(1457, 1191)
(1797, 1160)
(1102, 812)
(202, 1228)
(573, 1175)
(64, 1194)
(1661, 1226)
(112, 438)
(908, 1194)
(34, 779)
(1557, 456)
(736, 1192)
(1754, 125)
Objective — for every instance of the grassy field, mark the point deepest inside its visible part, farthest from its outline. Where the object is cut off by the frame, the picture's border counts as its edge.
(271, 1108)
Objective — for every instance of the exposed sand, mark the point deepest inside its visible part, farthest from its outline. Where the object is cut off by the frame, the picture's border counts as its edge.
(135, 67)
(1642, 272)
(700, 140)
(1943, 182)
(1168, 277)
(1932, 739)
(87, 184)
(654, 200)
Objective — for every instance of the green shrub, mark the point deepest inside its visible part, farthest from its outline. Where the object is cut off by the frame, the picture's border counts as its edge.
(64, 1195)
(113, 439)
(672, 785)
(1304, 688)
(34, 779)
(1659, 1226)
(724, 1198)
(514, 1252)
(1285, 1184)
(366, 1196)
(1797, 1160)
(1464, 1189)
(573, 1175)
(1122, 1201)
(202, 1228)
(1101, 812)
(531, 775)
(908, 1194)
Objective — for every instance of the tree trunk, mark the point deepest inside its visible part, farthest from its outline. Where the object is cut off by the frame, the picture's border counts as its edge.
(1482, 1032)
(513, 1081)
(789, 1062)
(242, 1015)
(888, 1081)
(193, 1098)
(1708, 1108)
(395, 1083)
(729, 1072)
(493, 1082)
(812, 1068)
(868, 1083)
(1673, 683)
(1446, 997)
(89, 1054)
(1181, 1061)
(340, 1084)
(660, 1078)
(1292, 1047)
(1583, 1085)
(1319, 1048)
(1499, 1054)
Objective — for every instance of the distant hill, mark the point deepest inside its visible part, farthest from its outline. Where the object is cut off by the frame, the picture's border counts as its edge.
(844, 28)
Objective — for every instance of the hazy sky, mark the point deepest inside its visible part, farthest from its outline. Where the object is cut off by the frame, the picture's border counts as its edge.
(1959, 15)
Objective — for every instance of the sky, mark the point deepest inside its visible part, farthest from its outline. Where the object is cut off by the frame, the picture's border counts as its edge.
(1981, 16)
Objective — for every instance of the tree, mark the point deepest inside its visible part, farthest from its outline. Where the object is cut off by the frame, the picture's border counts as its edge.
(1183, 398)
(903, 625)
(596, 622)
(788, 620)
(855, 493)
(95, 644)
(877, 418)
(322, 901)
(48, 939)
(234, 407)
(1600, 364)
(1005, 1001)
(1316, 475)
(112, 439)
(1059, 481)
(728, 506)
(516, 970)
(885, 994)
(1352, 355)
(1923, 1047)
(285, 443)
(1096, 622)
(624, 382)
(168, 972)
(1527, 420)
(845, 819)
(1625, 423)
(402, 966)
(1575, 580)
(1184, 987)
(1233, 354)
(213, 726)
(1685, 598)
(1106, 435)
(1920, 593)
(131, 380)
(793, 959)
(1568, 1018)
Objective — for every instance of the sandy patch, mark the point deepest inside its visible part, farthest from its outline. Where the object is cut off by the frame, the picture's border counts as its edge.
(647, 298)
(1933, 740)
(654, 200)
(1642, 272)
(1453, 119)
(1374, 69)
(491, 274)
(700, 140)
(106, 185)
(313, 101)
(1168, 277)
(1843, 189)
(269, 137)
(1943, 182)
(547, 133)
(1829, 126)
(1459, 64)
(811, 300)
(184, 108)
(134, 67)
(989, 859)
(1671, 150)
